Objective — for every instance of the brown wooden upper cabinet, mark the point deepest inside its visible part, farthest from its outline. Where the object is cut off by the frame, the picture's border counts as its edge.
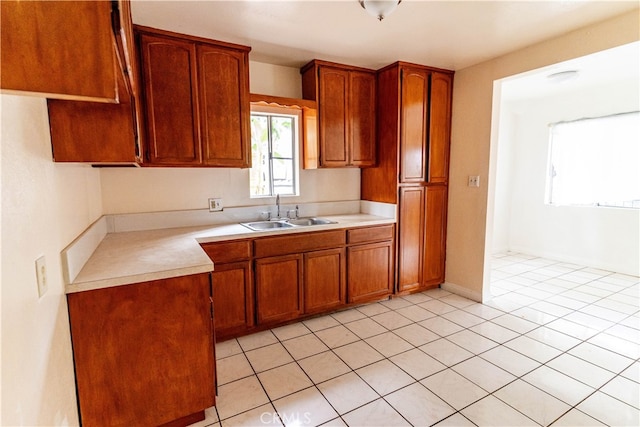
(101, 133)
(414, 121)
(440, 127)
(346, 114)
(196, 100)
(60, 49)
(425, 117)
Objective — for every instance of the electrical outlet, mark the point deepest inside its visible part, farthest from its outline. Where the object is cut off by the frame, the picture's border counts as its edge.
(474, 181)
(215, 205)
(41, 275)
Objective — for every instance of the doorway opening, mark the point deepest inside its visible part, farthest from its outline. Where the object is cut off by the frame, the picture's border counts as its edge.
(518, 219)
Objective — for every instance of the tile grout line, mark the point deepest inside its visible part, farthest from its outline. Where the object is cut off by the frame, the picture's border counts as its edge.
(468, 328)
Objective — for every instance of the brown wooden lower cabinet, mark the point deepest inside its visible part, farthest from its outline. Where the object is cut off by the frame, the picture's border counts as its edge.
(370, 271)
(233, 298)
(410, 237)
(278, 288)
(233, 291)
(435, 234)
(144, 353)
(324, 280)
(267, 281)
(421, 237)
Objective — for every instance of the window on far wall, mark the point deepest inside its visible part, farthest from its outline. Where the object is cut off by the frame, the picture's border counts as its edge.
(595, 162)
(274, 147)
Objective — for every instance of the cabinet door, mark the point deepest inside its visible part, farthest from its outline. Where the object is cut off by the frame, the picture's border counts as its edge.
(225, 109)
(143, 353)
(324, 287)
(333, 98)
(435, 234)
(58, 49)
(414, 110)
(232, 298)
(410, 237)
(278, 288)
(93, 132)
(98, 132)
(440, 127)
(369, 271)
(169, 79)
(362, 115)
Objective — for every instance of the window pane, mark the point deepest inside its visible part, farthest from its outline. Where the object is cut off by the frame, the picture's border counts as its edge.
(282, 134)
(596, 162)
(260, 176)
(283, 176)
(274, 167)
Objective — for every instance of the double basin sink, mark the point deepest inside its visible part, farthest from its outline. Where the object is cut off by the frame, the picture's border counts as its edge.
(286, 223)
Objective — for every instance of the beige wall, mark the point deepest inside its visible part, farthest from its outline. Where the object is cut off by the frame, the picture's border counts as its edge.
(44, 207)
(471, 209)
(167, 189)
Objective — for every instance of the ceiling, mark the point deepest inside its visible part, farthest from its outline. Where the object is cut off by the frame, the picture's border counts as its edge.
(446, 34)
(617, 65)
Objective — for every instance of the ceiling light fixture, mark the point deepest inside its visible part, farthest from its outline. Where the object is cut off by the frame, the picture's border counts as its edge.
(563, 76)
(379, 8)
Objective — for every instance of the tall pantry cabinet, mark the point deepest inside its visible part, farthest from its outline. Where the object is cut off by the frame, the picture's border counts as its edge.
(413, 128)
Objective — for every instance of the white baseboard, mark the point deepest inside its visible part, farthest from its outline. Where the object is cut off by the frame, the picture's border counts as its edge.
(624, 268)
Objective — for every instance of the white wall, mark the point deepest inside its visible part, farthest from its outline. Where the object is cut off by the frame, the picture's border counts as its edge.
(44, 207)
(167, 189)
(504, 188)
(607, 238)
(471, 209)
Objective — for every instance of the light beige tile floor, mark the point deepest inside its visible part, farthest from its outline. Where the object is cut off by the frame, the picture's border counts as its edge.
(557, 345)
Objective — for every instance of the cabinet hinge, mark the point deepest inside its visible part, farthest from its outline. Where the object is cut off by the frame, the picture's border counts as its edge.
(115, 16)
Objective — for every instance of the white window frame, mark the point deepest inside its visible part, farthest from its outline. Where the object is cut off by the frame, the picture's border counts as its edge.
(595, 162)
(296, 113)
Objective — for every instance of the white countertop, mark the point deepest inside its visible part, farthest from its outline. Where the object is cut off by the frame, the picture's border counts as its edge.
(141, 256)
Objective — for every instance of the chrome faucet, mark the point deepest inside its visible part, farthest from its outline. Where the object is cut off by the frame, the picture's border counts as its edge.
(278, 206)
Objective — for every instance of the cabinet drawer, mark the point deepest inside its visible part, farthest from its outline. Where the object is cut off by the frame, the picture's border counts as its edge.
(370, 234)
(303, 242)
(228, 251)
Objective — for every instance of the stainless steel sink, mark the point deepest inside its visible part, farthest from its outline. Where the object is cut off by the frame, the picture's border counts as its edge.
(286, 223)
(310, 221)
(266, 225)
